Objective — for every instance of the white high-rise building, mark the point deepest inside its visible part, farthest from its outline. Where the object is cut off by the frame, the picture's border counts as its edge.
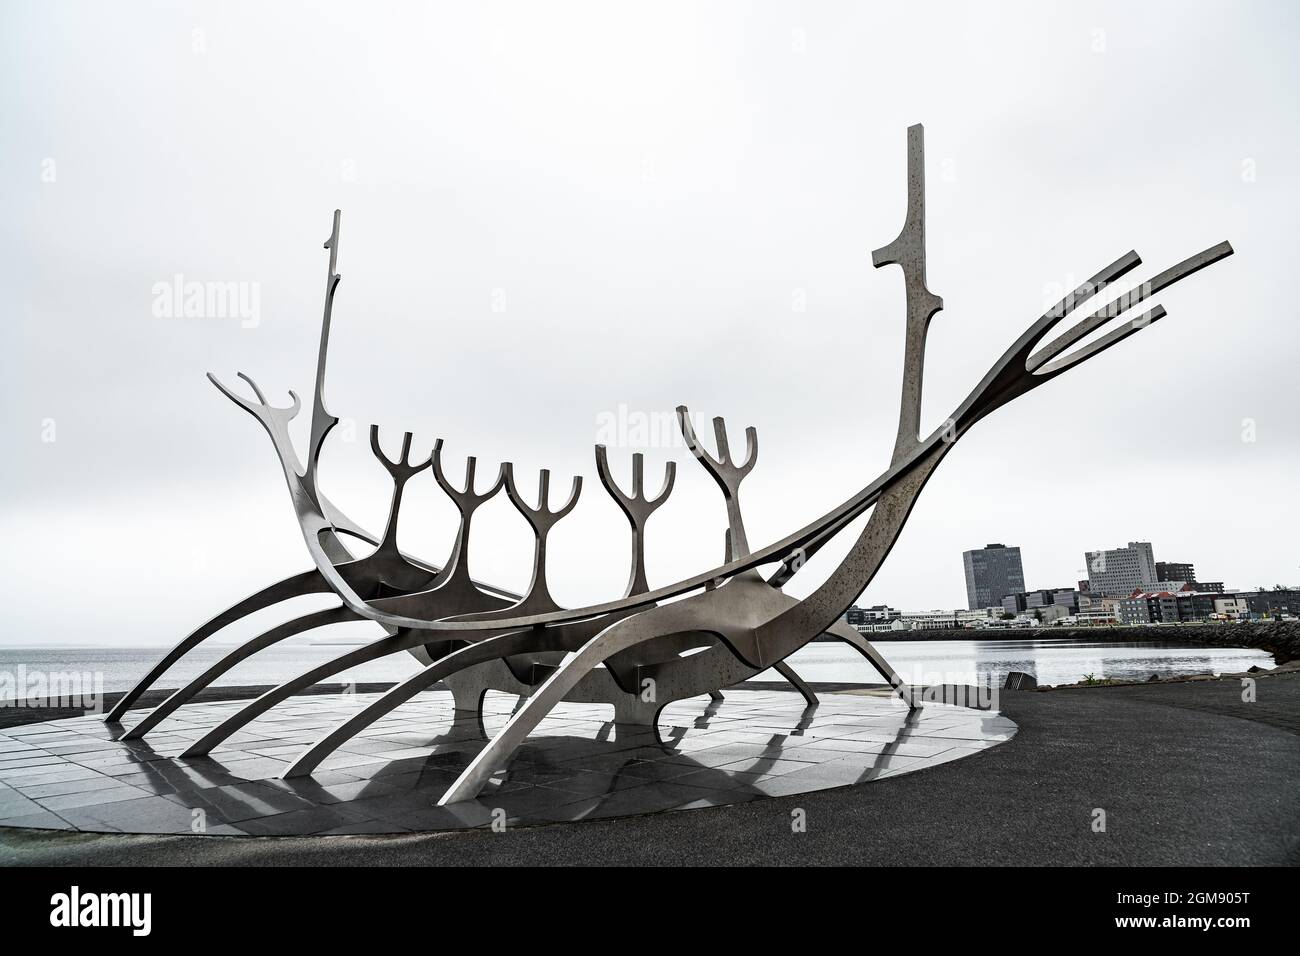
(1121, 571)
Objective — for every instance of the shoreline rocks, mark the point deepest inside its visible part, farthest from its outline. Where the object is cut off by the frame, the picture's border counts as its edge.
(1279, 638)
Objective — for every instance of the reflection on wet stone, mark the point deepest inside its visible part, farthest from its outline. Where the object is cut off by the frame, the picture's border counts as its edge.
(73, 774)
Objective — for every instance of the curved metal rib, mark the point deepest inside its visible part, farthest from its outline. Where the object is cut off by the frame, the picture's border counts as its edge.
(1009, 378)
(334, 615)
(308, 582)
(759, 623)
(453, 593)
(403, 640)
(493, 648)
(535, 708)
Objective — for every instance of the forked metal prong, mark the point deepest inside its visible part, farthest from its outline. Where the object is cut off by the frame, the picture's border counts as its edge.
(259, 409)
(1114, 309)
(1101, 343)
(637, 507)
(253, 385)
(466, 497)
(638, 495)
(541, 516)
(400, 466)
(725, 472)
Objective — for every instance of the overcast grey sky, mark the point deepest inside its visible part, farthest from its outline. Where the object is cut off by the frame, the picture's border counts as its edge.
(552, 210)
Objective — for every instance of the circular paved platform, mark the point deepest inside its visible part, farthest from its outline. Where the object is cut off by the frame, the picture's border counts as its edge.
(73, 775)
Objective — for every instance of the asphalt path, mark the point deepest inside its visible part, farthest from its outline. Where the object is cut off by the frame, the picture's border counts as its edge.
(1185, 774)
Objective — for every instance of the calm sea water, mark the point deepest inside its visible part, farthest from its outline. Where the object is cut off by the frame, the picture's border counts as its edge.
(1059, 661)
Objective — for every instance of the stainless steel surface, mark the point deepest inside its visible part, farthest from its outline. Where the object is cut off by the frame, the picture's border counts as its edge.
(637, 652)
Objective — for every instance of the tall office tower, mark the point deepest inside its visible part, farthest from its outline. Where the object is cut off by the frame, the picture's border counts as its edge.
(1121, 571)
(992, 572)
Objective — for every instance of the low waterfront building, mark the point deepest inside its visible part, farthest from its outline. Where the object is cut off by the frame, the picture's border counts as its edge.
(876, 614)
(944, 620)
(1143, 607)
(1196, 605)
(1095, 609)
(1273, 603)
(1014, 603)
(882, 627)
(1235, 607)
(1052, 614)
(1044, 597)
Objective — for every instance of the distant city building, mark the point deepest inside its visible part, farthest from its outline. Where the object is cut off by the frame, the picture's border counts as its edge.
(1236, 606)
(1147, 608)
(1095, 609)
(1272, 603)
(882, 627)
(1171, 586)
(876, 614)
(1067, 598)
(1061, 597)
(1121, 571)
(992, 572)
(942, 620)
(1197, 605)
(1174, 571)
(1052, 613)
(1084, 587)
(1168, 607)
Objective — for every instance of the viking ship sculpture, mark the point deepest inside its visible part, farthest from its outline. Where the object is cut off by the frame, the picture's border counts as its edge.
(649, 647)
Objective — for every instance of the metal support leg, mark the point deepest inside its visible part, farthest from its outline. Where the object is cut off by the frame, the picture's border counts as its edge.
(864, 647)
(401, 641)
(307, 622)
(797, 682)
(309, 582)
(493, 648)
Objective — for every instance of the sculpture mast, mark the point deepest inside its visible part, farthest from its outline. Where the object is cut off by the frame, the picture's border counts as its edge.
(321, 420)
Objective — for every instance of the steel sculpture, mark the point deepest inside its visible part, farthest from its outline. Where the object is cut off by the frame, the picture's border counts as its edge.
(636, 652)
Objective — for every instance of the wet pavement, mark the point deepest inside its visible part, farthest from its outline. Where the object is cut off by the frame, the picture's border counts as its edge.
(72, 774)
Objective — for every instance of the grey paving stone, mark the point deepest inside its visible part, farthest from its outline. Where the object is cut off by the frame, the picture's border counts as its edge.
(578, 765)
(91, 798)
